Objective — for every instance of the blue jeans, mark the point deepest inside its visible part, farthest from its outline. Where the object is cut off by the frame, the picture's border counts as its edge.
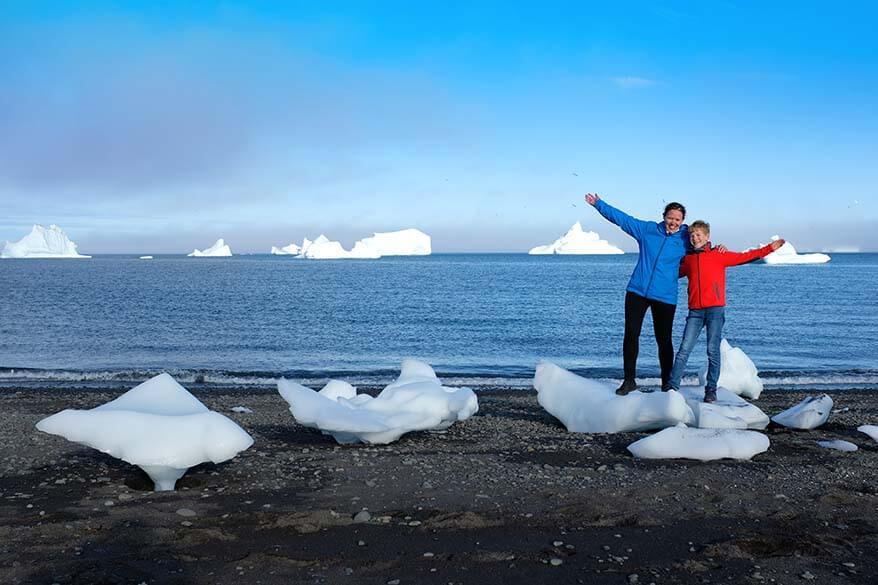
(713, 318)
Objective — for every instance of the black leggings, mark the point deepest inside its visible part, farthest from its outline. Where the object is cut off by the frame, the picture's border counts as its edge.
(662, 322)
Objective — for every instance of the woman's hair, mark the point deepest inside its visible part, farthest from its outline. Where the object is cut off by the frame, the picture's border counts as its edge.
(700, 224)
(674, 205)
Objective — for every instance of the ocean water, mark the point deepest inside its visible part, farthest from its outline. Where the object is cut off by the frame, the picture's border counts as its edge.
(479, 319)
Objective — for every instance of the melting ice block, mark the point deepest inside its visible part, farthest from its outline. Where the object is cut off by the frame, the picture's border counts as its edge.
(416, 401)
(288, 250)
(219, 249)
(682, 442)
(577, 241)
(408, 242)
(589, 406)
(42, 242)
(838, 445)
(158, 426)
(737, 374)
(730, 411)
(871, 430)
(787, 254)
(806, 415)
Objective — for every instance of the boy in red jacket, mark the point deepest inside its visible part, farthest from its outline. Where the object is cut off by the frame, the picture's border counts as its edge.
(706, 269)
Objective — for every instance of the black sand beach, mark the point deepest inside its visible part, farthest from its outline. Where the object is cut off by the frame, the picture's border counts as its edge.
(508, 496)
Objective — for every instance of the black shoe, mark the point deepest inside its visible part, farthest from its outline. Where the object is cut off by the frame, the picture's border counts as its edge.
(666, 388)
(710, 395)
(626, 387)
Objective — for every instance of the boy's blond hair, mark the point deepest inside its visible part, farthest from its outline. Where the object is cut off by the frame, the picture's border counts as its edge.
(700, 224)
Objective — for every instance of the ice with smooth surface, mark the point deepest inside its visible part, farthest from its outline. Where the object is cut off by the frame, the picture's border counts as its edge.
(806, 415)
(158, 426)
(682, 442)
(288, 250)
(730, 411)
(145, 258)
(325, 249)
(416, 401)
(838, 445)
(591, 406)
(577, 241)
(787, 254)
(42, 242)
(738, 373)
(219, 249)
(407, 242)
(871, 430)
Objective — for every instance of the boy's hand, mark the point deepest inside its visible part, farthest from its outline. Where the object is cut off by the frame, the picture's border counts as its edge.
(777, 244)
(592, 198)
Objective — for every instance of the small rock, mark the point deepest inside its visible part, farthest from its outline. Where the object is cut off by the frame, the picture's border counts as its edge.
(555, 562)
(633, 578)
(186, 512)
(415, 523)
(808, 576)
(186, 523)
(393, 582)
(362, 516)
(558, 543)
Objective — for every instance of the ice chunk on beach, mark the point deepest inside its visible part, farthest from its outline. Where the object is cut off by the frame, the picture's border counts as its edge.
(577, 241)
(407, 242)
(681, 442)
(242, 410)
(42, 242)
(219, 249)
(871, 430)
(288, 250)
(590, 406)
(806, 415)
(737, 374)
(730, 411)
(838, 445)
(158, 426)
(416, 401)
(787, 254)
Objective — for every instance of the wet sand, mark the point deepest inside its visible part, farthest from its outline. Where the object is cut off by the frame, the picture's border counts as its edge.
(508, 496)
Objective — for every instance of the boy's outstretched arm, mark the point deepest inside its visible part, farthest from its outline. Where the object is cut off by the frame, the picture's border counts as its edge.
(630, 225)
(737, 258)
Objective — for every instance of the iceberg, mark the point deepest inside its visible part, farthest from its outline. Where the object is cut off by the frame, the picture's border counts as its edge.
(806, 415)
(158, 426)
(42, 242)
(590, 406)
(730, 411)
(787, 254)
(838, 445)
(681, 442)
(416, 401)
(325, 249)
(289, 250)
(145, 258)
(871, 430)
(737, 373)
(219, 249)
(407, 242)
(576, 241)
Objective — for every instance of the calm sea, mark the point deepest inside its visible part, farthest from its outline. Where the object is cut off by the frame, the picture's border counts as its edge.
(479, 319)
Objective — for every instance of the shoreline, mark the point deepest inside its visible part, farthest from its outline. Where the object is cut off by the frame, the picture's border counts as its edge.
(506, 496)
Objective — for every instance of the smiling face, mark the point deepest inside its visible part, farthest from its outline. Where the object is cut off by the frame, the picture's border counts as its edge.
(673, 220)
(698, 237)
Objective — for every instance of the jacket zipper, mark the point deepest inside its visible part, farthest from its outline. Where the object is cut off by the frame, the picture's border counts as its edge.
(654, 264)
(698, 280)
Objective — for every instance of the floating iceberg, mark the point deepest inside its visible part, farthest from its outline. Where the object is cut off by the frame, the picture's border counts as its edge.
(589, 406)
(289, 250)
(730, 411)
(416, 401)
(325, 249)
(158, 426)
(408, 242)
(219, 249)
(681, 442)
(838, 445)
(42, 242)
(145, 258)
(576, 241)
(871, 430)
(806, 415)
(787, 254)
(737, 373)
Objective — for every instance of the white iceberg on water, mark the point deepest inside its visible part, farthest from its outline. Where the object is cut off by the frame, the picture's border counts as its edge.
(787, 254)
(289, 250)
(590, 406)
(738, 373)
(219, 249)
(416, 401)
(158, 426)
(576, 241)
(42, 242)
(681, 442)
(407, 242)
(806, 415)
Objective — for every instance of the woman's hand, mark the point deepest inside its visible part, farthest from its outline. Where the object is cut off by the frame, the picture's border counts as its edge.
(592, 198)
(777, 244)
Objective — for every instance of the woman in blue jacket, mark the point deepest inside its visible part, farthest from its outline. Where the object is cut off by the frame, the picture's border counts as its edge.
(653, 285)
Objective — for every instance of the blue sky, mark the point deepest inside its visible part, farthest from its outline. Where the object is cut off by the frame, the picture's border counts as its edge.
(147, 127)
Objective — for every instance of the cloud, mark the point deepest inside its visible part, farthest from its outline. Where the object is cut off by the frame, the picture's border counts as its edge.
(631, 82)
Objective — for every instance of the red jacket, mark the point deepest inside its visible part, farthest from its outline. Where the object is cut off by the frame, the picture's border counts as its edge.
(706, 269)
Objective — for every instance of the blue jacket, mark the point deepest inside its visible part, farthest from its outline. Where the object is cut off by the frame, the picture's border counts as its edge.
(658, 267)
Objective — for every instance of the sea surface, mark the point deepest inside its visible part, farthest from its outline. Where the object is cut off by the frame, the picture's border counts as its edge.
(479, 319)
